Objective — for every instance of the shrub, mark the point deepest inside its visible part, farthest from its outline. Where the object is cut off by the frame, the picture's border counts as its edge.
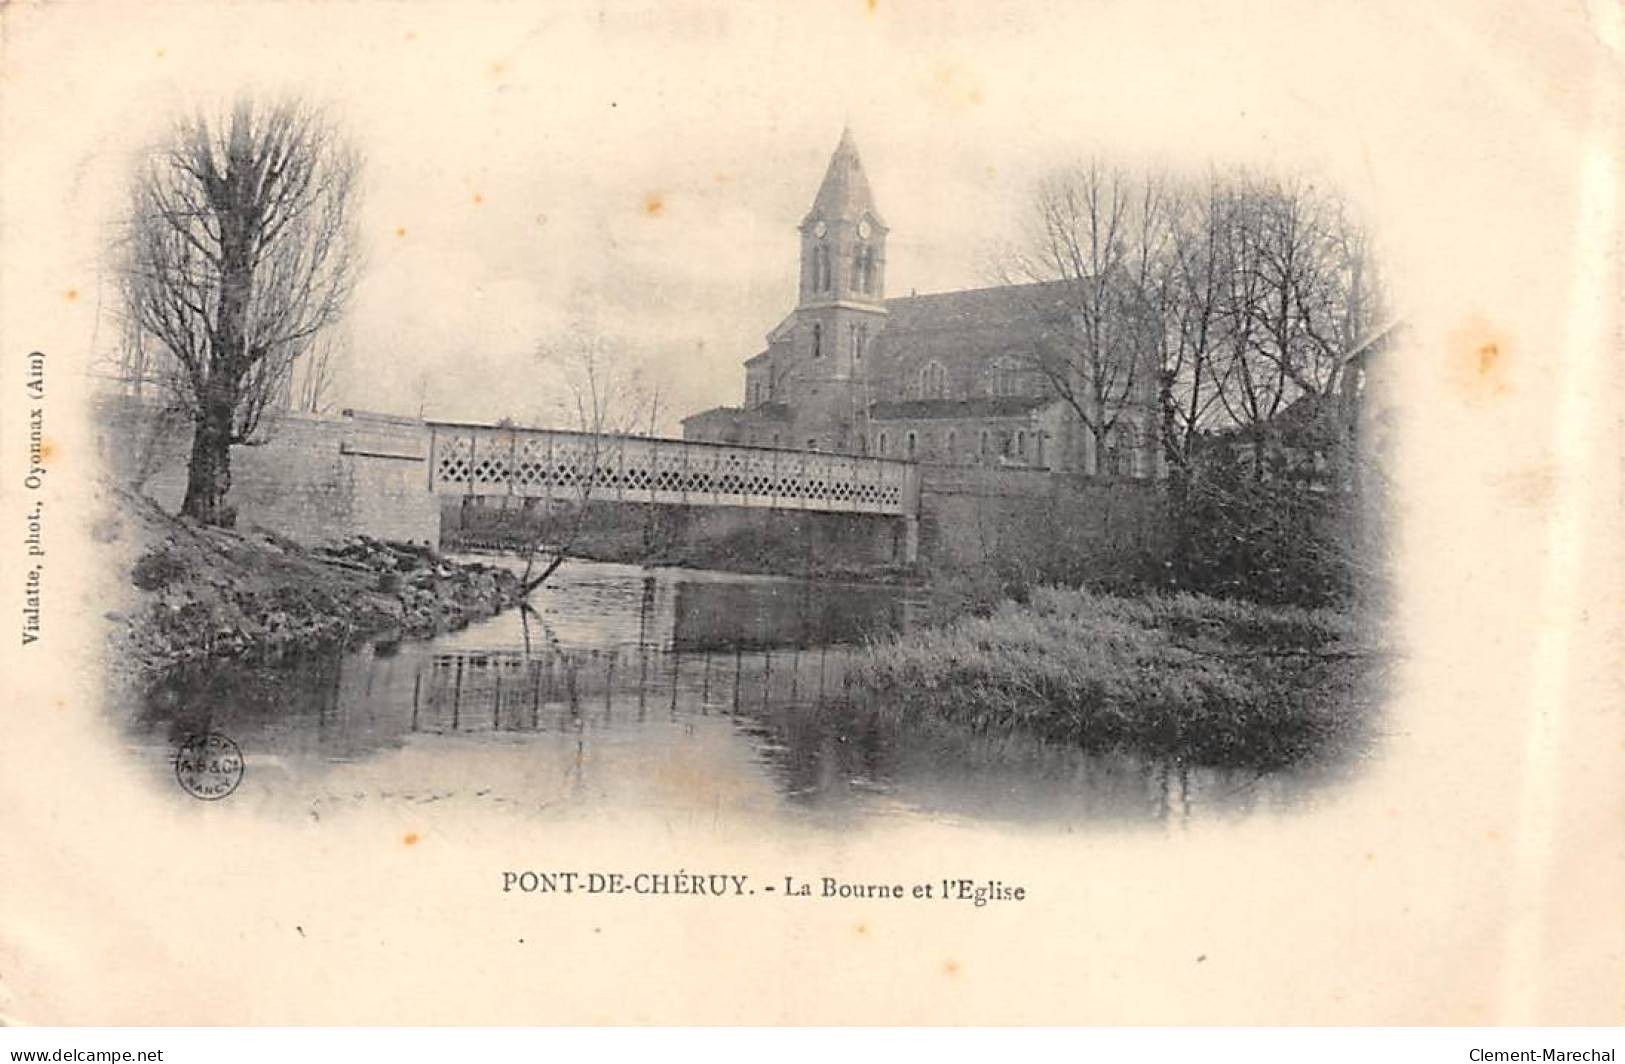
(157, 569)
(1274, 541)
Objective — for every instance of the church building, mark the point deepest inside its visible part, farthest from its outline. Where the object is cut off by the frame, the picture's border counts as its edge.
(949, 378)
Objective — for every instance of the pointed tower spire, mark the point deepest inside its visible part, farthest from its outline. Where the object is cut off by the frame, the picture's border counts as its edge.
(845, 194)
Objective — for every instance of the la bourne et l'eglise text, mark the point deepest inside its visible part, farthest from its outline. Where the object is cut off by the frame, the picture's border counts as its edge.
(975, 892)
(34, 480)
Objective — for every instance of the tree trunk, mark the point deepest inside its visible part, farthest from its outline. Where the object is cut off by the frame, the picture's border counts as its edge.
(208, 474)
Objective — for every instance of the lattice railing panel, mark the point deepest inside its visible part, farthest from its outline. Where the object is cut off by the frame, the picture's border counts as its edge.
(567, 465)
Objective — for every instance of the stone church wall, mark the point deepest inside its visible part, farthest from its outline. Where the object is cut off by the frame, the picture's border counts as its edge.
(959, 441)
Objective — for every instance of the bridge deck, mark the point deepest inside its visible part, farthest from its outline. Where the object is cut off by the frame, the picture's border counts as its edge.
(575, 466)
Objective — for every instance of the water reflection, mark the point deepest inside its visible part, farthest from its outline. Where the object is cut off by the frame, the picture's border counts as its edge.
(590, 604)
(635, 689)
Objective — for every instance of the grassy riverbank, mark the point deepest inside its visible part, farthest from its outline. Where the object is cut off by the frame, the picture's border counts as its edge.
(1206, 680)
(191, 592)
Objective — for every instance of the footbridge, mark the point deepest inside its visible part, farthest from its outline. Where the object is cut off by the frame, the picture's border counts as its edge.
(319, 477)
(575, 467)
(467, 459)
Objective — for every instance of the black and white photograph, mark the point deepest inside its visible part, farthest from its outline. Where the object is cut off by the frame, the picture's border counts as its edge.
(869, 513)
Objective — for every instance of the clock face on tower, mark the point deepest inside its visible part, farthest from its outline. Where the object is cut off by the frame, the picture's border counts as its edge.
(863, 229)
(820, 228)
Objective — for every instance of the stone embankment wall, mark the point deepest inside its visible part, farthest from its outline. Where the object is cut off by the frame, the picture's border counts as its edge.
(317, 478)
(970, 516)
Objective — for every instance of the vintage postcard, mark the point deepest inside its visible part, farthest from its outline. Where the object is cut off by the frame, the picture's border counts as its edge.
(864, 513)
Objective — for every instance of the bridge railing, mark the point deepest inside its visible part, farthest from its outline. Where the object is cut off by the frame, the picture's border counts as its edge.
(577, 466)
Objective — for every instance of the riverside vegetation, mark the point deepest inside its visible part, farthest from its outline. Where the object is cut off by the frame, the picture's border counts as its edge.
(1184, 676)
(1247, 641)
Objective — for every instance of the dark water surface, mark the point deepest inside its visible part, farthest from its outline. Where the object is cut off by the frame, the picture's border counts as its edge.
(660, 692)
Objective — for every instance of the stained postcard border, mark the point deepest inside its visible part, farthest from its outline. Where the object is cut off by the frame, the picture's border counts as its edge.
(1471, 876)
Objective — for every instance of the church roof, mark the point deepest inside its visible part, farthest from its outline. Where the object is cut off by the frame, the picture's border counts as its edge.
(759, 412)
(780, 343)
(970, 331)
(715, 413)
(978, 308)
(845, 191)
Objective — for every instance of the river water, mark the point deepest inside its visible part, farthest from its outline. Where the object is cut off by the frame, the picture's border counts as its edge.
(668, 692)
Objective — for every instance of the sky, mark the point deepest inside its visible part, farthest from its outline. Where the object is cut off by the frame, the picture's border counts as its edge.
(638, 170)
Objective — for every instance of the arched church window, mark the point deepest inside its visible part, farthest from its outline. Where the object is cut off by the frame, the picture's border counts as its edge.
(1021, 444)
(880, 445)
(818, 340)
(821, 268)
(933, 383)
(1007, 378)
(913, 442)
(951, 445)
(861, 342)
(863, 268)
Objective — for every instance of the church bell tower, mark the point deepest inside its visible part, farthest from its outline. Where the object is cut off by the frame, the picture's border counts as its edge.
(842, 304)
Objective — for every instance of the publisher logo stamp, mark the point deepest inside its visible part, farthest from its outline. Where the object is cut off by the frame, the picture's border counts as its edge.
(209, 766)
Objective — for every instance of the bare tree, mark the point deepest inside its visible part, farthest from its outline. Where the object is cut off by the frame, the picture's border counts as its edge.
(138, 367)
(1193, 280)
(314, 375)
(240, 252)
(606, 399)
(1099, 235)
(1295, 300)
